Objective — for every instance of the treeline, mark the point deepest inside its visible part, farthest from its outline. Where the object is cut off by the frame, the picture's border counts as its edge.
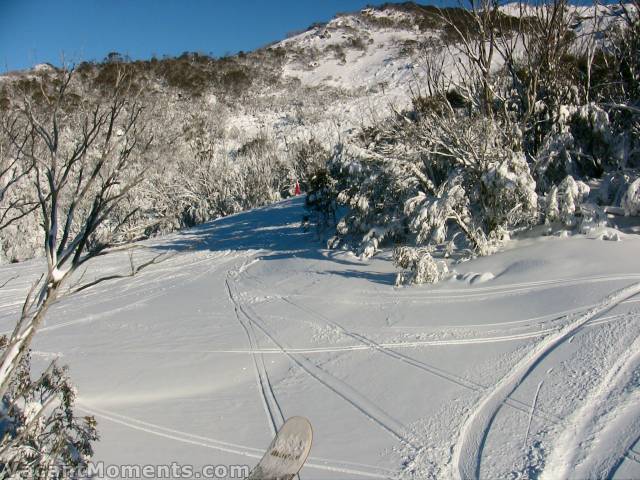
(198, 167)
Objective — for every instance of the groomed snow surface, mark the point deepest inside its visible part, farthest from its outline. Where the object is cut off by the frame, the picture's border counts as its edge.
(246, 321)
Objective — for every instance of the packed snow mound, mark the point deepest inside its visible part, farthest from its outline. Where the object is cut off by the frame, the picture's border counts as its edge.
(246, 321)
(473, 278)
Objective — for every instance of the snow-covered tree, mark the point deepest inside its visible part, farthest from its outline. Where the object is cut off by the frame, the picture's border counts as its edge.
(85, 159)
(40, 434)
(441, 180)
(564, 202)
(321, 200)
(418, 266)
(372, 187)
(631, 199)
(16, 202)
(509, 193)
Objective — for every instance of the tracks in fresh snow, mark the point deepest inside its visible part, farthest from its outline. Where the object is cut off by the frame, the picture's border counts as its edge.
(269, 401)
(425, 367)
(365, 343)
(89, 295)
(372, 345)
(362, 470)
(468, 450)
(467, 453)
(171, 433)
(604, 429)
(344, 391)
(475, 294)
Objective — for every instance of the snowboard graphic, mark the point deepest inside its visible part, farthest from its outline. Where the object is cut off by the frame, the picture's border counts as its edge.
(287, 453)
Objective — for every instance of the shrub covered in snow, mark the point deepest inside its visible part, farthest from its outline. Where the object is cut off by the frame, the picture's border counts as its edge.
(631, 200)
(581, 142)
(39, 431)
(321, 200)
(372, 188)
(444, 181)
(418, 266)
(458, 178)
(564, 202)
(509, 193)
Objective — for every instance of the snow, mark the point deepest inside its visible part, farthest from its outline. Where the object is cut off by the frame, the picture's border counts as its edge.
(43, 67)
(631, 199)
(248, 321)
(377, 74)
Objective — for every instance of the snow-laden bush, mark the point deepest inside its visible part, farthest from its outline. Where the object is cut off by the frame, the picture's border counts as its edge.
(418, 265)
(631, 199)
(373, 189)
(509, 193)
(40, 435)
(429, 215)
(443, 181)
(307, 159)
(614, 187)
(580, 143)
(564, 202)
(320, 201)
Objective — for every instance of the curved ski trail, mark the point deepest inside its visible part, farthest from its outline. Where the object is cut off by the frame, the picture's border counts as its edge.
(599, 434)
(478, 294)
(387, 349)
(468, 449)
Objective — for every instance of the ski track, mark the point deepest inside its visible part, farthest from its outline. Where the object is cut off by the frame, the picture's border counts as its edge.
(593, 422)
(633, 456)
(344, 391)
(189, 279)
(159, 272)
(269, 401)
(384, 348)
(600, 431)
(377, 346)
(367, 344)
(228, 447)
(476, 294)
(468, 449)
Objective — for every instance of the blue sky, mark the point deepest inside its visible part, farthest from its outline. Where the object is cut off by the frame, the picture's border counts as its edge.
(35, 31)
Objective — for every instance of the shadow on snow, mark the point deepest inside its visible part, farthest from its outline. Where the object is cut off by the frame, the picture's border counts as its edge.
(275, 228)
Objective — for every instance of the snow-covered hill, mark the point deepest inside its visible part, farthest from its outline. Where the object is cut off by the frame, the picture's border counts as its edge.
(523, 362)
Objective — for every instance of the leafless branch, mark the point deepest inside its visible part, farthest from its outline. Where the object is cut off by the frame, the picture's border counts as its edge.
(79, 181)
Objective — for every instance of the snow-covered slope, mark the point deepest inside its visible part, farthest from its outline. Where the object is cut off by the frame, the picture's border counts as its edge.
(525, 361)
(351, 53)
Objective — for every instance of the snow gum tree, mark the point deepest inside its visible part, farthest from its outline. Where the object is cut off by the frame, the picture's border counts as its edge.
(83, 158)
